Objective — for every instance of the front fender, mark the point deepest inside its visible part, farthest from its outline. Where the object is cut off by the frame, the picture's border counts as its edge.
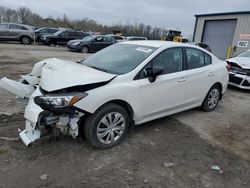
(98, 97)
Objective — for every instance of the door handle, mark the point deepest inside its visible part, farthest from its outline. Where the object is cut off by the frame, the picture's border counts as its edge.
(210, 74)
(182, 80)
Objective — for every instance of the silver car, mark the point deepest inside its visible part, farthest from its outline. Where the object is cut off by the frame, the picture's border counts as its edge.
(16, 32)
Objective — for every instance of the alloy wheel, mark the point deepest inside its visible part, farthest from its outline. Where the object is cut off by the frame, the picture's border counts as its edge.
(213, 98)
(111, 127)
(25, 40)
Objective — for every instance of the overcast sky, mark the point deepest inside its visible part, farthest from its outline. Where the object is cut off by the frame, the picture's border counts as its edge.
(170, 14)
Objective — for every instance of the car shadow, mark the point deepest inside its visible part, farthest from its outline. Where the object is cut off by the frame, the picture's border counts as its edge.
(238, 89)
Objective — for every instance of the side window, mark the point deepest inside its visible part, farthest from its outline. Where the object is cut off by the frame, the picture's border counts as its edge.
(99, 39)
(44, 31)
(17, 27)
(80, 35)
(23, 28)
(3, 26)
(12, 26)
(108, 39)
(64, 34)
(207, 58)
(170, 60)
(52, 31)
(118, 38)
(195, 58)
(72, 34)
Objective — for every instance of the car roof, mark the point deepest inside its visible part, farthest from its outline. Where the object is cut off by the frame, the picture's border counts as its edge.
(27, 26)
(157, 43)
(46, 28)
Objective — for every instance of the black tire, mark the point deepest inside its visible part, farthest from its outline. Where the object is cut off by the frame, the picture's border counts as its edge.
(212, 99)
(85, 49)
(25, 40)
(94, 123)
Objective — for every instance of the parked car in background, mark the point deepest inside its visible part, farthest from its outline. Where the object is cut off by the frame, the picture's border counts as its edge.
(239, 74)
(117, 38)
(136, 38)
(124, 84)
(62, 37)
(44, 31)
(16, 32)
(92, 43)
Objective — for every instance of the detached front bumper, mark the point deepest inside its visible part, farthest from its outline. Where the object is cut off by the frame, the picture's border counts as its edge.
(239, 80)
(32, 115)
(29, 136)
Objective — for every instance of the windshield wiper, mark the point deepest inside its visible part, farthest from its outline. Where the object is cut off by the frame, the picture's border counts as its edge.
(98, 68)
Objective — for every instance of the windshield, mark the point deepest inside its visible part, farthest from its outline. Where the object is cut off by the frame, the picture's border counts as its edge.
(57, 33)
(244, 54)
(89, 38)
(119, 58)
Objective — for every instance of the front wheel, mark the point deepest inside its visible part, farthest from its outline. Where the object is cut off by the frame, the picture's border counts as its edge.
(25, 40)
(212, 99)
(84, 49)
(107, 127)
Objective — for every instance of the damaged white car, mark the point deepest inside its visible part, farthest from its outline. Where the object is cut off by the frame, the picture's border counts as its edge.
(239, 74)
(125, 84)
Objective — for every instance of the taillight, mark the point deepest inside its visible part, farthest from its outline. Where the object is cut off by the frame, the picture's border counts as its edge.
(229, 67)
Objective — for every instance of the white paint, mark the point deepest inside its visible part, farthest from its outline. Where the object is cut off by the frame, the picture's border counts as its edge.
(168, 94)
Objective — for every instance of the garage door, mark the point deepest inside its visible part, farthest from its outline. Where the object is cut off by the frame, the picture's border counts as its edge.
(218, 34)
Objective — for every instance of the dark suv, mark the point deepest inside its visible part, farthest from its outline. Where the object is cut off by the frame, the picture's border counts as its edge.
(44, 31)
(16, 32)
(62, 37)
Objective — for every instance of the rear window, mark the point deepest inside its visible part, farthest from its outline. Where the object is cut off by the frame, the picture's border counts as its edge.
(197, 58)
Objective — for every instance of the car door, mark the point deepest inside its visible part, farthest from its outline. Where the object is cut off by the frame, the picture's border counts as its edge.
(15, 31)
(200, 76)
(4, 31)
(97, 44)
(63, 38)
(166, 94)
(107, 41)
(72, 36)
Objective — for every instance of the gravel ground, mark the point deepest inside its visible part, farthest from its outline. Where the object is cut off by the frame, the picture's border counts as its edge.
(176, 151)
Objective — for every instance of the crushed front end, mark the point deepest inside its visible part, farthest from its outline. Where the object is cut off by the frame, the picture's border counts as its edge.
(239, 77)
(46, 113)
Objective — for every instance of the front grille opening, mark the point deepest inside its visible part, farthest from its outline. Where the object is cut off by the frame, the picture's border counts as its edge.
(235, 79)
(246, 83)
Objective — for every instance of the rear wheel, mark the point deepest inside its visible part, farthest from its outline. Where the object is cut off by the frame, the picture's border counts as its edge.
(212, 99)
(107, 127)
(25, 40)
(84, 49)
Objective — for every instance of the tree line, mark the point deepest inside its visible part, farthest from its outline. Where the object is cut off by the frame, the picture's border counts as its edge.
(24, 15)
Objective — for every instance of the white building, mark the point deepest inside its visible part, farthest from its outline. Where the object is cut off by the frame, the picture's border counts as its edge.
(227, 34)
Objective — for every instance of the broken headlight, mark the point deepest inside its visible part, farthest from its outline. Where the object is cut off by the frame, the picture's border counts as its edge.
(59, 101)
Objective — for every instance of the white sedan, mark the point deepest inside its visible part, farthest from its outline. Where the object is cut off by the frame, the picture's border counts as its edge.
(239, 74)
(126, 84)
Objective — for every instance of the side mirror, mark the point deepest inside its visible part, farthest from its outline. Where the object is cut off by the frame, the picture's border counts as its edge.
(152, 73)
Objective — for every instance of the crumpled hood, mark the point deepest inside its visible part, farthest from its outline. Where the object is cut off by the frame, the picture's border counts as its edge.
(59, 74)
(243, 62)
